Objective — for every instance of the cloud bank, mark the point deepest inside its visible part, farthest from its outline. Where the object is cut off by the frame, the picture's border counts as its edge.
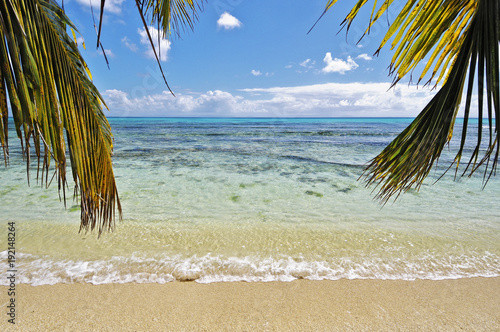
(320, 100)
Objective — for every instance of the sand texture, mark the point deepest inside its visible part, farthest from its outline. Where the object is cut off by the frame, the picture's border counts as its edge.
(344, 305)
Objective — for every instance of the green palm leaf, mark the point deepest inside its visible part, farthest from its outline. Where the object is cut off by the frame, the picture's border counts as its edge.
(51, 97)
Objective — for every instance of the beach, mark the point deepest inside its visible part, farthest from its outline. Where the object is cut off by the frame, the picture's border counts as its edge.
(470, 304)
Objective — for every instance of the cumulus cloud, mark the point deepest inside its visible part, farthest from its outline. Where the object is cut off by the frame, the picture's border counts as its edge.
(161, 49)
(320, 100)
(228, 22)
(131, 46)
(111, 6)
(364, 56)
(338, 65)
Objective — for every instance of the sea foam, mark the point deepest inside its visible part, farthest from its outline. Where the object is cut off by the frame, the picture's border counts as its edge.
(215, 268)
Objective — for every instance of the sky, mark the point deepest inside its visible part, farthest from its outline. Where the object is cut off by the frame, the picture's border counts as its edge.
(245, 58)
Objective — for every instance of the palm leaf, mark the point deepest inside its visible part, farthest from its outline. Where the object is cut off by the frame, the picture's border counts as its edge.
(51, 97)
(458, 37)
(168, 15)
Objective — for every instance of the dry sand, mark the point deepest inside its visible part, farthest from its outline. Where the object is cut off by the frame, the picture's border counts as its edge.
(302, 305)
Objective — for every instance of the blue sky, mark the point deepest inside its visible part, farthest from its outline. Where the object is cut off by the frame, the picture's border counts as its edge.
(245, 58)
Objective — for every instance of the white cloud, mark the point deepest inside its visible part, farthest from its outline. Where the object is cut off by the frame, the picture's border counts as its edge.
(161, 49)
(111, 6)
(210, 103)
(364, 56)
(109, 53)
(118, 97)
(259, 73)
(338, 65)
(343, 99)
(228, 21)
(308, 64)
(305, 63)
(320, 100)
(131, 46)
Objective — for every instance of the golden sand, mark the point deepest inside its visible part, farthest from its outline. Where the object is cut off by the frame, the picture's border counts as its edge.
(353, 305)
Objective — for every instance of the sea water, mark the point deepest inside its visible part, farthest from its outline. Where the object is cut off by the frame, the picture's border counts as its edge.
(214, 200)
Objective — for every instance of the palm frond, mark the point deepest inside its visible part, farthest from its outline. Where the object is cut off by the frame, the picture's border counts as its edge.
(434, 28)
(168, 16)
(464, 37)
(51, 97)
(172, 15)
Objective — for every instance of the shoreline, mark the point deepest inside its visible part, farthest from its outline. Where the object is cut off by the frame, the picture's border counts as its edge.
(456, 304)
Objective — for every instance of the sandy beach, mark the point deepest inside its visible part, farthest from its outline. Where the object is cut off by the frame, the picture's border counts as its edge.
(463, 304)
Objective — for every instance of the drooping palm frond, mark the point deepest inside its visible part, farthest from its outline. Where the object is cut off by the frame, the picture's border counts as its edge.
(169, 16)
(51, 96)
(430, 30)
(463, 35)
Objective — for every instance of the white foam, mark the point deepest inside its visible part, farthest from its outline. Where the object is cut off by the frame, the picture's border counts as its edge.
(217, 268)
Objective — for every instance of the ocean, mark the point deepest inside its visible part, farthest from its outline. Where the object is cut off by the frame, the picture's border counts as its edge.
(230, 199)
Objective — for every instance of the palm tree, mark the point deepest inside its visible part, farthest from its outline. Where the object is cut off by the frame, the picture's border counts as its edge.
(51, 95)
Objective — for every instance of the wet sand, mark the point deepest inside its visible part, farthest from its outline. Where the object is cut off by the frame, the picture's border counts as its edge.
(302, 305)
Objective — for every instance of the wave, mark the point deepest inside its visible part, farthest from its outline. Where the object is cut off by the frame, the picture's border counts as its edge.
(210, 268)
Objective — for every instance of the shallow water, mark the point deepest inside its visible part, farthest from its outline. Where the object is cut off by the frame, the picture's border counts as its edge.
(256, 200)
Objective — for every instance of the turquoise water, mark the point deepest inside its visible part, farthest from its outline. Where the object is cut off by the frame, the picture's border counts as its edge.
(255, 200)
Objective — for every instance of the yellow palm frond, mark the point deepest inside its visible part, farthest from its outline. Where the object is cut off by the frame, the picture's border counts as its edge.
(52, 98)
(421, 27)
(456, 37)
